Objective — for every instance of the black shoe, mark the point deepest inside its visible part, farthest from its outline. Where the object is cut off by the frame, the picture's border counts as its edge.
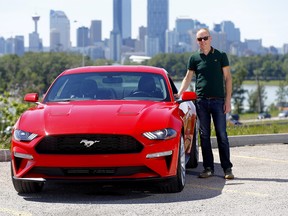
(207, 172)
(228, 174)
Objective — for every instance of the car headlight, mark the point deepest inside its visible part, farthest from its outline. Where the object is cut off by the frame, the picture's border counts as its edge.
(164, 134)
(21, 135)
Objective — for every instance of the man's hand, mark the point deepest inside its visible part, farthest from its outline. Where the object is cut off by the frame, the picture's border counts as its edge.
(227, 107)
(176, 96)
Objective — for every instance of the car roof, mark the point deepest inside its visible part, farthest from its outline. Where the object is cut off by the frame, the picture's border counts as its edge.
(116, 68)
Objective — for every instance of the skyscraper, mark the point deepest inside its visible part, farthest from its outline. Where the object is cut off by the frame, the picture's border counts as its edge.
(126, 19)
(121, 27)
(233, 34)
(82, 37)
(19, 45)
(157, 24)
(95, 32)
(59, 31)
(122, 18)
(183, 26)
(2, 45)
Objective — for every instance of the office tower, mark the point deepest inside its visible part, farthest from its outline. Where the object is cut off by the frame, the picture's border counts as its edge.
(217, 28)
(219, 40)
(59, 31)
(82, 37)
(126, 19)
(140, 43)
(15, 45)
(142, 32)
(233, 34)
(254, 45)
(122, 18)
(95, 32)
(198, 25)
(2, 45)
(19, 45)
(9, 46)
(171, 40)
(35, 43)
(157, 24)
(121, 27)
(285, 49)
(183, 26)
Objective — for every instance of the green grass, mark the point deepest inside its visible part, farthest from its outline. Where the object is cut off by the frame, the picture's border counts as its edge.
(257, 127)
(266, 83)
(5, 142)
(247, 129)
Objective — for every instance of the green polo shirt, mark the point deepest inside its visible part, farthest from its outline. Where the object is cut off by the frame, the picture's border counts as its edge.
(208, 71)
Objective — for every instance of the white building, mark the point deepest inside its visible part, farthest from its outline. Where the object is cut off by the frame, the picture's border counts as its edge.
(59, 31)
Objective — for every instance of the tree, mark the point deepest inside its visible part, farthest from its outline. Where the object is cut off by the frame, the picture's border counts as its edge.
(260, 94)
(10, 111)
(256, 99)
(238, 75)
(282, 93)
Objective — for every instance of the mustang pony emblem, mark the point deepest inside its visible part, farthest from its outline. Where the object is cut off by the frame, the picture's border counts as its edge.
(89, 143)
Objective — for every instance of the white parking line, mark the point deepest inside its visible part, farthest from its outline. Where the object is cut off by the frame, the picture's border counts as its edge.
(230, 191)
(263, 159)
(257, 158)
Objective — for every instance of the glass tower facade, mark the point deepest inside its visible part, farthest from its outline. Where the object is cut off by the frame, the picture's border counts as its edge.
(157, 23)
(95, 32)
(121, 27)
(59, 31)
(122, 18)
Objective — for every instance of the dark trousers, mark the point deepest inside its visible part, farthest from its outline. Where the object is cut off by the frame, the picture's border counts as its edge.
(205, 109)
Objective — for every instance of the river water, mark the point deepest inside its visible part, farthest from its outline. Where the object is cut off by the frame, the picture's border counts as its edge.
(270, 93)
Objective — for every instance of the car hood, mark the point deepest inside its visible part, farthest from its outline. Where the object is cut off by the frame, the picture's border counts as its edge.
(96, 117)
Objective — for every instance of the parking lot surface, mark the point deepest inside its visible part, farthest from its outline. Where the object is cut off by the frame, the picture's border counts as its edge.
(259, 188)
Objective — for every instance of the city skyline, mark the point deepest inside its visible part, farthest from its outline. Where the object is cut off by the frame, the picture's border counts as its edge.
(260, 21)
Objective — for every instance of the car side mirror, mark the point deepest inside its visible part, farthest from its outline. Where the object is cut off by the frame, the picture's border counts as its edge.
(31, 97)
(187, 96)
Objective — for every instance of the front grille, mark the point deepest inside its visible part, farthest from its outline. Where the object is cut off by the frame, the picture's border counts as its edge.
(88, 144)
(90, 172)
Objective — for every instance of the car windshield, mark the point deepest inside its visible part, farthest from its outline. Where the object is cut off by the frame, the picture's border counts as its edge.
(109, 86)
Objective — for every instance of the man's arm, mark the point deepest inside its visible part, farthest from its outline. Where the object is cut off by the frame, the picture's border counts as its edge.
(185, 82)
(228, 88)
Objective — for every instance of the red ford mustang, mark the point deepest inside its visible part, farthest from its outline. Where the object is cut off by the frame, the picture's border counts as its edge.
(106, 123)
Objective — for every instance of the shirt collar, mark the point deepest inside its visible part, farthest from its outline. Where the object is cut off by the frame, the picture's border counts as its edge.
(210, 52)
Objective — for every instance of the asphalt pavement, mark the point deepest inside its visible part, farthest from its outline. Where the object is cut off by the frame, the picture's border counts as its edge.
(259, 188)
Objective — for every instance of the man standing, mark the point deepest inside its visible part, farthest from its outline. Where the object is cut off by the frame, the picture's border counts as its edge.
(214, 89)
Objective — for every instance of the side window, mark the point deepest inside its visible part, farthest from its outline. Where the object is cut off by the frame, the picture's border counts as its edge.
(174, 88)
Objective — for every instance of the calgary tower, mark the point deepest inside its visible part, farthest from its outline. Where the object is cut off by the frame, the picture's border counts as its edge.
(36, 19)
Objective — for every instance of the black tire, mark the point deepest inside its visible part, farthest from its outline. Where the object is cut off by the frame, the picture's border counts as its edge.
(194, 153)
(26, 186)
(177, 184)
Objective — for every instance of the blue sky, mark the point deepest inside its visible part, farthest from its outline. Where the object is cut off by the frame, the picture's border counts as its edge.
(258, 19)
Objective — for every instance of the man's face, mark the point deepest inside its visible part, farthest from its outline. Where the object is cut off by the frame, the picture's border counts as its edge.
(203, 39)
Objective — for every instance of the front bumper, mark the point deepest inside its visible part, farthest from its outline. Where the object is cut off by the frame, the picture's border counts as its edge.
(154, 161)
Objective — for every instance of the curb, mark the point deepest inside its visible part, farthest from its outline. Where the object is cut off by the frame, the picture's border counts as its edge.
(5, 155)
(235, 141)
